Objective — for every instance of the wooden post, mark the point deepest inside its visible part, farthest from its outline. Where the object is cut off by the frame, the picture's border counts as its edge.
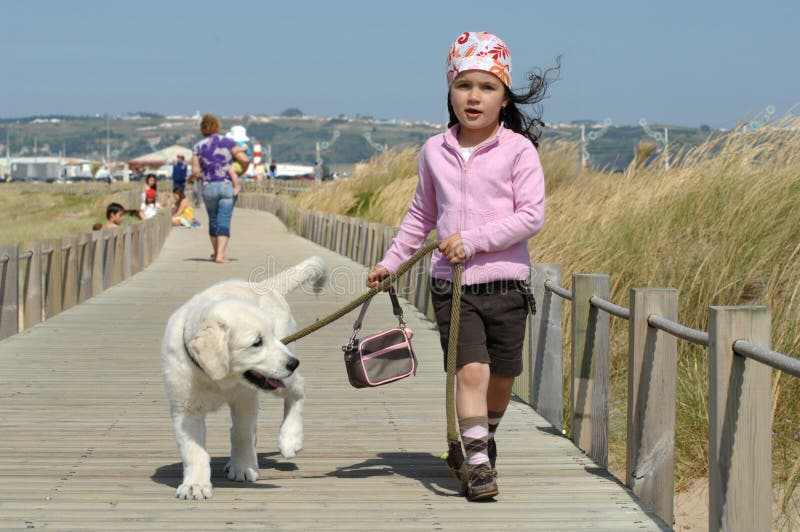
(351, 238)
(590, 367)
(69, 272)
(652, 378)
(9, 291)
(363, 252)
(141, 242)
(330, 222)
(109, 257)
(127, 237)
(52, 280)
(340, 235)
(739, 419)
(546, 347)
(85, 252)
(147, 246)
(98, 261)
(32, 285)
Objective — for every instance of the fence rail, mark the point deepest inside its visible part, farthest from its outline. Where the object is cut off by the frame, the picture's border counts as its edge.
(39, 279)
(740, 365)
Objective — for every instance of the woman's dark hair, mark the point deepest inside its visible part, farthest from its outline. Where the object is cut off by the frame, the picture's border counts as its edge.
(512, 116)
(154, 186)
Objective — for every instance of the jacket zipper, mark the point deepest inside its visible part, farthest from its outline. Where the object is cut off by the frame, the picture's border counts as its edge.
(464, 171)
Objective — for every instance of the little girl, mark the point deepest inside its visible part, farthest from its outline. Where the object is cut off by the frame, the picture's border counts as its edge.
(481, 187)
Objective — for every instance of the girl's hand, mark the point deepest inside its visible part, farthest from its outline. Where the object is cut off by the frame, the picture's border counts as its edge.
(377, 274)
(452, 249)
(236, 189)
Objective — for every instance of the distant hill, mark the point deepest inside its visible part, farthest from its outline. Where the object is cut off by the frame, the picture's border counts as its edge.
(293, 139)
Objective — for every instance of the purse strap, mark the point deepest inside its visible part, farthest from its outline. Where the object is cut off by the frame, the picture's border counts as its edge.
(396, 308)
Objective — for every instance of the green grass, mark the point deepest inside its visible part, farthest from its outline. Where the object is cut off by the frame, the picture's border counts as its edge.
(34, 212)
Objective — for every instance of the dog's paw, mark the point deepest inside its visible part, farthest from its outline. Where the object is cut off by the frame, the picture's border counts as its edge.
(290, 444)
(241, 473)
(194, 491)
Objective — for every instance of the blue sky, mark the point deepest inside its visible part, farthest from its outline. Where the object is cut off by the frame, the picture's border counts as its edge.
(680, 62)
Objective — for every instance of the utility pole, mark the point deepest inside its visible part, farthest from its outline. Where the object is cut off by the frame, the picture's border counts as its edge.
(8, 151)
(108, 143)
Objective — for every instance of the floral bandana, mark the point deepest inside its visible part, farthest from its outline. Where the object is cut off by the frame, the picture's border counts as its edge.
(479, 51)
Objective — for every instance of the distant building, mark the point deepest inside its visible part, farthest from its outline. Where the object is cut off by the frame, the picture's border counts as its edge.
(41, 168)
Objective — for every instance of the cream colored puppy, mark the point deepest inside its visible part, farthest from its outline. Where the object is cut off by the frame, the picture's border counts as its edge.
(223, 346)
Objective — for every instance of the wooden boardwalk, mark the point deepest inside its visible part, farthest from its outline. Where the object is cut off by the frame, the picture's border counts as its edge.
(87, 440)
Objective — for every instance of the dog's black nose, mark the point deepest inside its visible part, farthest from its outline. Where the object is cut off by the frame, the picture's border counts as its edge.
(292, 364)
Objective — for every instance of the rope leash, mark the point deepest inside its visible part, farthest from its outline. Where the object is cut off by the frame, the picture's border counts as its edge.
(454, 456)
(369, 294)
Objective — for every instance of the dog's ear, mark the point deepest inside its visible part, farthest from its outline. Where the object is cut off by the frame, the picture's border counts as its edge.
(209, 346)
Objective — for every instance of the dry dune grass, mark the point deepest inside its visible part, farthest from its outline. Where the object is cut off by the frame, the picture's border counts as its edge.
(722, 226)
(35, 212)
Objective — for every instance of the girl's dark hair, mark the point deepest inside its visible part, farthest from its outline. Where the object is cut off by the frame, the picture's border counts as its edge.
(512, 116)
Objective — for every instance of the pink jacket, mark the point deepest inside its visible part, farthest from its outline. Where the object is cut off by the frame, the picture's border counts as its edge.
(495, 200)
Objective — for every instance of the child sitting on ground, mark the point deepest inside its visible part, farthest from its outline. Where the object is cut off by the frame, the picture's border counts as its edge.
(182, 210)
(150, 207)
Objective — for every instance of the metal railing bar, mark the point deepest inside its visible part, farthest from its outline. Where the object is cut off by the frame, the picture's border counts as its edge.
(82, 243)
(47, 251)
(676, 329)
(66, 248)
(611, 308)
(4, 259)
(26, 255)
(558, 290)
(769, 357)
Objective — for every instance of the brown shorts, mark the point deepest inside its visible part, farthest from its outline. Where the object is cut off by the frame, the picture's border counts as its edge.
(492, 328)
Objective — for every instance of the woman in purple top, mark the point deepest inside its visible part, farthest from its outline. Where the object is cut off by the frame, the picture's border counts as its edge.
(211, 161)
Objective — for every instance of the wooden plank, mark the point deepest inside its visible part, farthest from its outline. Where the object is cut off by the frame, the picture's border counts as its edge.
(546, 347)
(69, 272)
(89, 427)
(9, 291)
(590, 367)
(109, 257)
(52, 277)
(740, 418)
(652, 396)
(32, 284)
(85, 262)
(127, 251)
(98, 261)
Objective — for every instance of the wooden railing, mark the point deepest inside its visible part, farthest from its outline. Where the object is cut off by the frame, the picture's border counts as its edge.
(277, 186)
(740, 366)
(42, 278)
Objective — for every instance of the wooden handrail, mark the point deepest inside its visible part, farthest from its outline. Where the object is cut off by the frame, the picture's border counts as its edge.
(652, 372)
(55, 274)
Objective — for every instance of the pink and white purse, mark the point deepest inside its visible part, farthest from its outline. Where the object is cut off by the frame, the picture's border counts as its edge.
(383, 357)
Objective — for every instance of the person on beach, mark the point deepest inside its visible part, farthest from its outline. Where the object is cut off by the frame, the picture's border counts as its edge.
(179, 171)
(114, 214)
(150, 183)
(182, 210)
(150, 207)
(481, 186)
(212, 158)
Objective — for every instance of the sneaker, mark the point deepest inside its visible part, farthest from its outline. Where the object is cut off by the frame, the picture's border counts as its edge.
(492, 452)
(481, 483)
